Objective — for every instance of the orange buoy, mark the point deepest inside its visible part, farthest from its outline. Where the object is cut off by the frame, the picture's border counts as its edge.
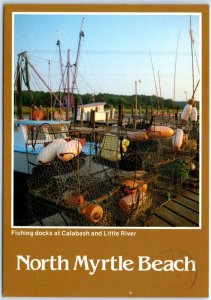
(38, 115)
(73, 200)
(160, 131)
(132, 186)
(190, 101)
(93, 212)
(135, 136)
(56, 115)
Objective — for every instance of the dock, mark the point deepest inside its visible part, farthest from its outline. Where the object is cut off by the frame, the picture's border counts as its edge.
(182, 211)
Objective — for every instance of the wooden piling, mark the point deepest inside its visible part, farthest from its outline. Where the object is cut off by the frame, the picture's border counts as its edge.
(47, 114)
(93, 118)
(139, 110)
(111, 112)
(30, 113)
(120, 114)
(88, 116)
(107, 116)
(75, 109)
(82, 115)
(132, 109)
(134, 122)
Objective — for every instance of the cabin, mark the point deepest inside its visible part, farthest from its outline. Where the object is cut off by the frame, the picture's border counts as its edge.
(98, 107)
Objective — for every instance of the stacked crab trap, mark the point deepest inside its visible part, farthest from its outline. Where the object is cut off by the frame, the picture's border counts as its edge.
(106, 176)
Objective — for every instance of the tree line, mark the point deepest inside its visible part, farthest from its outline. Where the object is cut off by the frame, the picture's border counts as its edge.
(46, 100)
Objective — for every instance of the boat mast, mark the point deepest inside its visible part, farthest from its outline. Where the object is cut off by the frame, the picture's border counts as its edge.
(81, 34)
(58, 43)
(68, 85)
(175, 70)
(18, 89)
(192, 41)
(49, 83)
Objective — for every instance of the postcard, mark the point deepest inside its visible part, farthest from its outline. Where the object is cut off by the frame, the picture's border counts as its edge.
(106, 150)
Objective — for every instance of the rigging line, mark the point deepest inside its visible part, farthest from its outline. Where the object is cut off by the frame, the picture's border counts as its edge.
(159, 84)
(175, 68)
(35, 82)
(88, 84)
(93, 74)
(25, 56)
(62, 80)
(153, 74)
(196, 59)
(41, 59)
(116, 52)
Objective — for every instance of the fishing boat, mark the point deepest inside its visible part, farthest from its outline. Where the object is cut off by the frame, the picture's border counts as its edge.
(29, 139)
(43, 127)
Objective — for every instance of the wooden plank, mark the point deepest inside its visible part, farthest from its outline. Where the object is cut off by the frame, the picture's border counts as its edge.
(183, 211)
(158, 222)
(187, 202)
(173, 218)
(191, 195)
(194, 190)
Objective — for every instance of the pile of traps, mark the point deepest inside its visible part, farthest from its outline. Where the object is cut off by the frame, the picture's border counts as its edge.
(91, 193)
(108, 177)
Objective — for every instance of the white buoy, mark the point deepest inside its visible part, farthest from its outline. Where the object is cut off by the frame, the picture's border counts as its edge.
(194, 114)
(69, 150)
(186, 112)
(177, 139)
(48, 153)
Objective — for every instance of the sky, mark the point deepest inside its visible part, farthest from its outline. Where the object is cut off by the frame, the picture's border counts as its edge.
(115, 51)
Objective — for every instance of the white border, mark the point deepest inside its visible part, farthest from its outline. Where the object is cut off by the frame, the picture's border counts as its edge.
(200, 153)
